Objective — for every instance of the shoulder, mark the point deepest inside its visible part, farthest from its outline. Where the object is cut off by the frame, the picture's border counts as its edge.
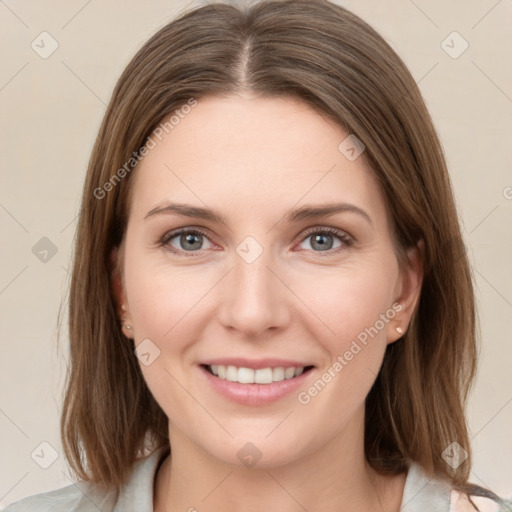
(82, 496)
(79, 497)
(422, 492)
(460, 503)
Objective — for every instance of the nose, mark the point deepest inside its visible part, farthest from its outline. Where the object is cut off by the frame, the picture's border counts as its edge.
(255, 300)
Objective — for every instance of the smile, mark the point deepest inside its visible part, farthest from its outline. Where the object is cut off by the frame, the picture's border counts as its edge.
(245, 375)
(256, 386)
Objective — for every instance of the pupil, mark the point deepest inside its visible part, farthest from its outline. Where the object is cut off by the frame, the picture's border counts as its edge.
(189, 239)
(323, 245)
(320, 239)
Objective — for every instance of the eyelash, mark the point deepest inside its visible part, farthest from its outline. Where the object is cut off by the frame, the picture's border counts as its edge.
(341, 235)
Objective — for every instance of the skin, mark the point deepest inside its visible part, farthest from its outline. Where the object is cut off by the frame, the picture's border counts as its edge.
(253, 160)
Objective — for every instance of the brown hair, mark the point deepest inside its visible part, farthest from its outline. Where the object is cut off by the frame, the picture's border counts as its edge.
(332, 60)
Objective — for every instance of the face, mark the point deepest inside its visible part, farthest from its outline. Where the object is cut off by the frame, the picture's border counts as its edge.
(257, 251)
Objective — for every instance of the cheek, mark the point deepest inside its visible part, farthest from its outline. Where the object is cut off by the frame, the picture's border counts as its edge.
(165, 308)
(349, 302)
(161, 298)
(355, 311)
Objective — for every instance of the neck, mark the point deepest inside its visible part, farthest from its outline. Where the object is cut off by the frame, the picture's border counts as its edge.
(333, 479)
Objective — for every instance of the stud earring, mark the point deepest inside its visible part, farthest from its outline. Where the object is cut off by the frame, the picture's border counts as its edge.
(399, 330)
(128, 326)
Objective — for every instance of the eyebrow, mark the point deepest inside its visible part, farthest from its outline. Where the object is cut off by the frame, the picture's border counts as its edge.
(296, 215)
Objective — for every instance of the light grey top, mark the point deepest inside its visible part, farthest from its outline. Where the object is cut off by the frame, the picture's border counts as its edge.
(420, 494)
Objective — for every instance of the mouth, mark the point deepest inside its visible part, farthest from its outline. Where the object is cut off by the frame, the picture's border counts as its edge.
(244, 375)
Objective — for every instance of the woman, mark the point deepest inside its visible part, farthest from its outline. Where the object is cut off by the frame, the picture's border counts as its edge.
(270, 308)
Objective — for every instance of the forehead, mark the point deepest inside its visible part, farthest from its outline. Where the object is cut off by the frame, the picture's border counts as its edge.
(248, 152)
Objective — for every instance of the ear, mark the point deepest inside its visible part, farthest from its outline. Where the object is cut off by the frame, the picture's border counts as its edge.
(409, 291)
(117, 286)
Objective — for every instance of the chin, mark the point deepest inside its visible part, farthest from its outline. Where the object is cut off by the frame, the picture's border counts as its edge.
(259, 451)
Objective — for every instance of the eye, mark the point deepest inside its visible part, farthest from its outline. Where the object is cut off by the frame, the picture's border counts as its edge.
(188, 241)
(185, 240)
(324, 240)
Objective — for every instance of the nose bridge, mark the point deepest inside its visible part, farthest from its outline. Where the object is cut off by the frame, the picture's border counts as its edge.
(254, 298)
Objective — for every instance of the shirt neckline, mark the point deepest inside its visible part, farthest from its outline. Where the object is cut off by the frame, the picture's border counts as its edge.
(420, 492)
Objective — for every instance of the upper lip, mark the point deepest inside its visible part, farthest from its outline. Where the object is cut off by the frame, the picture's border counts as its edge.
(255, 364)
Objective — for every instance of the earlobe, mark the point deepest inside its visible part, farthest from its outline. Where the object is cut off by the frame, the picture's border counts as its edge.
(397, 330)
(118, 294)
(411, 284)
(413, 277)
(115, 280)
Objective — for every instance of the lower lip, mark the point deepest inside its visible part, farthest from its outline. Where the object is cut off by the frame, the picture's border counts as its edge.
(255, 394)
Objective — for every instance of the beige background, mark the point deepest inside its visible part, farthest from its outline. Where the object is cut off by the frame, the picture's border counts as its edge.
(51, 111)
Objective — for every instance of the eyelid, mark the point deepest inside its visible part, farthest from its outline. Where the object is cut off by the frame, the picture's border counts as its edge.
(327, 229)
(186, 229)
(168, 236)
(346, 239)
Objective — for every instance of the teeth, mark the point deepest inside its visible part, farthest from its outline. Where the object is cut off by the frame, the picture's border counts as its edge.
(278, 374)
(231, 373)
(259, 376)
(263, 376)
(245, 375)
(289, 373)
